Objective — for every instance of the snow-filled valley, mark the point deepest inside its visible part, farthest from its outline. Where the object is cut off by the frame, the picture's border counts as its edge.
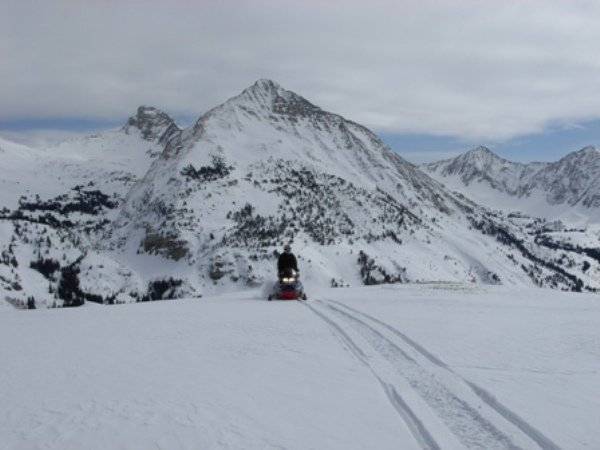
(400, 366)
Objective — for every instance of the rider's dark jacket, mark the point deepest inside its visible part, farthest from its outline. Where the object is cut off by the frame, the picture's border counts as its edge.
(287, 261)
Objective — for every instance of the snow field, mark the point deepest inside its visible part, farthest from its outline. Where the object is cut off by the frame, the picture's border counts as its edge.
(414, 366)
(231, 372)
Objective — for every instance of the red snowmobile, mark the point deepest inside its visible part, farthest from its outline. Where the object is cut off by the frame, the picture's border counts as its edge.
(288, 287)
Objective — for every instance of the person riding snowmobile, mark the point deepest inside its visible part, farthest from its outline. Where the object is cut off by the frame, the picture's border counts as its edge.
(286, 261)
(289, 286)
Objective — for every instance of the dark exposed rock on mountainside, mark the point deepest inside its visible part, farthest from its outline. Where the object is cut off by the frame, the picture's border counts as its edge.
(154, 125)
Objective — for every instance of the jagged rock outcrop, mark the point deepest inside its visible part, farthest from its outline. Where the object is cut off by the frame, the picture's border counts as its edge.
(153, 124)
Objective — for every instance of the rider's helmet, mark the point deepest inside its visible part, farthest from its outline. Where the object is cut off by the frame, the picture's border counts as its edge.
(287, 248)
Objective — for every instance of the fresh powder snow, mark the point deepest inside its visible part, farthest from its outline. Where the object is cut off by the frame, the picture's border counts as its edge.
(413, 367)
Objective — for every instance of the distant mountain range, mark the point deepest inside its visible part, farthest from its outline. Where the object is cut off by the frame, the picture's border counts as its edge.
(569, 187)
(155, 211)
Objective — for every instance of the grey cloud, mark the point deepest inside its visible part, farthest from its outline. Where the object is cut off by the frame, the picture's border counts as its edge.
(472, 69)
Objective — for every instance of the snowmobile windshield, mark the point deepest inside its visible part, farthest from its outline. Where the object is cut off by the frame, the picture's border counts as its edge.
(288, 273)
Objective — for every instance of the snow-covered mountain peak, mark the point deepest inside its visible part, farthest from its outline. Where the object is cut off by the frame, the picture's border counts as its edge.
(264, 84)
(589, 149)
(481, 152)
(267, 97)
(153, 123)
(267, 121)
(582, 160)
(482, 166)
(572, 181)
(265, 89)
(478, 163)
(484, 156)
(586, 153)
(479, 157)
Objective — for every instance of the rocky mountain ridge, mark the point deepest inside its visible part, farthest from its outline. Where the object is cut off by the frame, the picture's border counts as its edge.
(572, 182)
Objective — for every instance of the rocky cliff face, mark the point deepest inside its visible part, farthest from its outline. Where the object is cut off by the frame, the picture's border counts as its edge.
(153, 124)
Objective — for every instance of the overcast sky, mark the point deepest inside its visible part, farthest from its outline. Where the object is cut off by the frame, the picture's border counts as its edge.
(433, 76)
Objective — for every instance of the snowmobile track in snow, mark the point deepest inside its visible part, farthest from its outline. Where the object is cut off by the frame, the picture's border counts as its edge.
(467, 412)
(422, 436)
(534, 434)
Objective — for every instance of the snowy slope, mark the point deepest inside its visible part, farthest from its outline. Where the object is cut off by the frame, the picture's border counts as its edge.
(567, 189)
(112, 160)
(68, 193)
(21, 172)
(411, 367)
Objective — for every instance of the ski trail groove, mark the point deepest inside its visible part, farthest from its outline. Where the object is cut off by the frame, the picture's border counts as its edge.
(512, 417)
(471, 429)
(416, 426)
(533, 433)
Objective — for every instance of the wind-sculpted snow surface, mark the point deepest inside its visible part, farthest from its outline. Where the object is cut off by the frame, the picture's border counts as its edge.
(431, 366)
(160, 212)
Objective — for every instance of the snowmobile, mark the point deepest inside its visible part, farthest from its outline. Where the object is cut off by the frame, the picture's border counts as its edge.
(288, 287)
